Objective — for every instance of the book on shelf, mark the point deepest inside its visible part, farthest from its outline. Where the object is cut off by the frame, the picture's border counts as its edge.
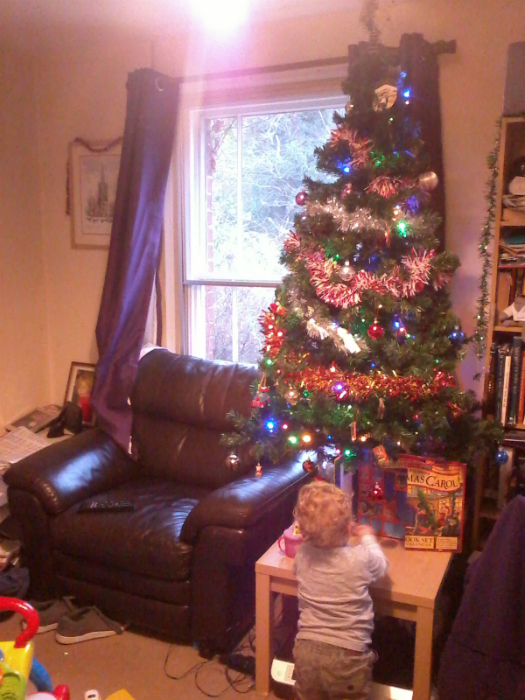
(500, 373)
(491, 379)
(521, 399)
(515, 372)
(505, 384)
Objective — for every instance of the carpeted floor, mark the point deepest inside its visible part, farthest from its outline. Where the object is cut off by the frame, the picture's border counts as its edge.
(138, 663)
(131, 661)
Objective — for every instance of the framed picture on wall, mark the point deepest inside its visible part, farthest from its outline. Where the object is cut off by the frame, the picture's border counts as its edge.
(79, 388)
(93, 176)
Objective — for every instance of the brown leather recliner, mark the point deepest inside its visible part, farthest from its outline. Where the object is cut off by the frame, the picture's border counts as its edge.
(182, 563)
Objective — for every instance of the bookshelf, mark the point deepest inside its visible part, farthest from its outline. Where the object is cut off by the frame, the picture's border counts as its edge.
(508, 282)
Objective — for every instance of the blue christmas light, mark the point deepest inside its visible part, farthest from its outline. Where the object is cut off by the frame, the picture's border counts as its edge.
(338, 387)
(373, 263)
(270, 425)
(413, 204)
(403, 74)
(397, 324)
(407, 93)
(502, 456)
(457, 336)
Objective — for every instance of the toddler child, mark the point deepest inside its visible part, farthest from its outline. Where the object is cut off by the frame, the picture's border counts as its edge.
(332, 654)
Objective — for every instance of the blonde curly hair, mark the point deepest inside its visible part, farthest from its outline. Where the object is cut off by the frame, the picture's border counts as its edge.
(323, 514)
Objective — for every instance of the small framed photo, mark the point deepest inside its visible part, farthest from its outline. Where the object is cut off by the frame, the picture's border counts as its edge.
(93, 176)
(79, 388)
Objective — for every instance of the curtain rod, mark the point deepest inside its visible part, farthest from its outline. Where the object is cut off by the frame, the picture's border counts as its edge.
(440, 47)
(262, 70)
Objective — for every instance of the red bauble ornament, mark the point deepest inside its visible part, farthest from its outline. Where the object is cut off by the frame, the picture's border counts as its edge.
(375, 331)
(276, 308)
(309, 466)
(401, 334)
(300, 198)
(376, 492)
(347, 189)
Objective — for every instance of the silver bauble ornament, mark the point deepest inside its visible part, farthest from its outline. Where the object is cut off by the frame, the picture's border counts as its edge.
(346, 272)
(233, 462)
(428, 181)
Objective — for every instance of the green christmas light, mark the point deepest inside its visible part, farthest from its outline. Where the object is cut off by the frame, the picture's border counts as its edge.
(293, 440)
(402, 228)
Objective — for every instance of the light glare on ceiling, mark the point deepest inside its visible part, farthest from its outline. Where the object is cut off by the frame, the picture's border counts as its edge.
(222, 15)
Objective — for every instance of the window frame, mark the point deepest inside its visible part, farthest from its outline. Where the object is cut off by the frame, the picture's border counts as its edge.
(295, 91)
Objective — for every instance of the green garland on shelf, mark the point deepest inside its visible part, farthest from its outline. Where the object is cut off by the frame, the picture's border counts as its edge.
(487, 235)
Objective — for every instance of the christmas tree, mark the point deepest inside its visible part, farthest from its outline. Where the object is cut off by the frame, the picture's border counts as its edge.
(361, 343)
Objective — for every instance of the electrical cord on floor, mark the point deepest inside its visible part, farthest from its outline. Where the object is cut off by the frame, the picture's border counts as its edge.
(234, 682)
(186, 673)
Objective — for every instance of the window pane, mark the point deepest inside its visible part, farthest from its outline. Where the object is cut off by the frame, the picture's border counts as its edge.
(277, 152)
(251, 181)
(226, 322)
(221, 197)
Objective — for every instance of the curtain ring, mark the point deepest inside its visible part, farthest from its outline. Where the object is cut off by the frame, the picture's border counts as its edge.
(158, 84)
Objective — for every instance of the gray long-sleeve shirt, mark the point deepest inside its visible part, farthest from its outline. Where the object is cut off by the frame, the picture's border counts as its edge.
(334, 601)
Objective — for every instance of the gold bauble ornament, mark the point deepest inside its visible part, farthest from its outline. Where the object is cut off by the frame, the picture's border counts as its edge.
(428, 181)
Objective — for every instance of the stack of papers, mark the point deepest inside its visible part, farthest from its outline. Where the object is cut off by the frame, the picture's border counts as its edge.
(19, 444)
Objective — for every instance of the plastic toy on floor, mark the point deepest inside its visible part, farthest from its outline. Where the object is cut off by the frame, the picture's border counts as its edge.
(16, 660)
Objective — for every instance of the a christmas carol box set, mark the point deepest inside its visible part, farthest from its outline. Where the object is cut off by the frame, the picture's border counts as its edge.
(418, 499)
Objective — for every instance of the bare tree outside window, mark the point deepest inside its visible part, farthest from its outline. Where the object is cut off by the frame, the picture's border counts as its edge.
(254, 166)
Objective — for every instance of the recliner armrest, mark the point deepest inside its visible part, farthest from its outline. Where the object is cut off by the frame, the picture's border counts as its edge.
(67, 472)
(242, 503)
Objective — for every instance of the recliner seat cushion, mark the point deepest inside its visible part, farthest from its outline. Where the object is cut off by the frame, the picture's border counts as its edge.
(145, 541)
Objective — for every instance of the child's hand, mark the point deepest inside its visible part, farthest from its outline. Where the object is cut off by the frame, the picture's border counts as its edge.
(362, 530)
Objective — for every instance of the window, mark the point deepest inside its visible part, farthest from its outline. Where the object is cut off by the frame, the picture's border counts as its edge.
(243, 166)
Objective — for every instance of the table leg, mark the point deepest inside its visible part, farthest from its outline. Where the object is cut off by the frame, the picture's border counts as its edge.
(423, 656)
(264, 618)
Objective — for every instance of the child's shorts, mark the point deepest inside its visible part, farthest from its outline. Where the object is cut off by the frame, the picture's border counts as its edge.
(327, 672)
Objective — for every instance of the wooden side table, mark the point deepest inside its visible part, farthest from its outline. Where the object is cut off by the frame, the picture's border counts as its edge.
(408, 592)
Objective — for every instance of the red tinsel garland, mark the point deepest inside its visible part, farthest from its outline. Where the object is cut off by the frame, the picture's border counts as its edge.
(383, 185)
(273, 334)
(362, 386)
(417, 264)
(359, 147)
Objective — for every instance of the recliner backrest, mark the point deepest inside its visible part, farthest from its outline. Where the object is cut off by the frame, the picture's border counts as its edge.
(180, 409)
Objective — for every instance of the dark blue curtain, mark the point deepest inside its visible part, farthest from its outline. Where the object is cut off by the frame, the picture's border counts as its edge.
(134, 251)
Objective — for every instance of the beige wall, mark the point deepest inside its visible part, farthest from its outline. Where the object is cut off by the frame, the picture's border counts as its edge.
(24, 361)
(82, 93)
